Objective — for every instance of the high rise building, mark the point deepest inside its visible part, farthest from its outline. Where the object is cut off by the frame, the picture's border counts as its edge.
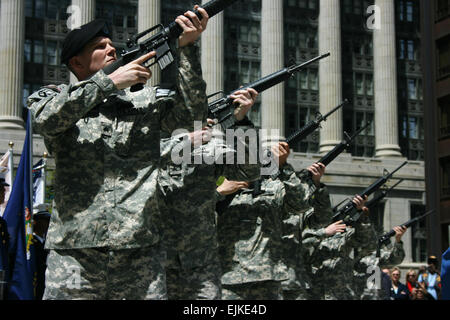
(375, 63)
(436, 73)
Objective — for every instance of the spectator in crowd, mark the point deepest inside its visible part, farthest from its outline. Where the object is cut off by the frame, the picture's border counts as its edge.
(398, 290)
(431, 278)
(420, 293)
(411, 280)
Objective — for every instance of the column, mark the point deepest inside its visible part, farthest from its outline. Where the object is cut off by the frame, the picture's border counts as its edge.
(385, 82)
(12, 38)
(86, 9)
(272, 59)
(330, 73)
(212, 54)
(149, 15)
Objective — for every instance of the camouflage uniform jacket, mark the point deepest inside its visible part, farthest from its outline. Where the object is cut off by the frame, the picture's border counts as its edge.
(332, 260)
(105, 143)
(190, 199)
(390, 256)
(300, 231)
(250, 229)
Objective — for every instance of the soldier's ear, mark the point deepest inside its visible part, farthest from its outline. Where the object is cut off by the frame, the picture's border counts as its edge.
(76, 65)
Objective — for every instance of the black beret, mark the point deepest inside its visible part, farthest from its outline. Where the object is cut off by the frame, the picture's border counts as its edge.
(78, 38)
(3, 182)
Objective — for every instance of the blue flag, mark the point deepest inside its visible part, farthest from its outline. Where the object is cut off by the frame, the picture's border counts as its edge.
(445, 275)
(18, 215)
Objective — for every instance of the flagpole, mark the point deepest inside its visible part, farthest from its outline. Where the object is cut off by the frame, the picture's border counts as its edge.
(11, 165)
(30, 165)
(44, 176)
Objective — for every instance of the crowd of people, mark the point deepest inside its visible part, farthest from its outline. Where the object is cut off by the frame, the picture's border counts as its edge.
(136, 224)
(423, 284)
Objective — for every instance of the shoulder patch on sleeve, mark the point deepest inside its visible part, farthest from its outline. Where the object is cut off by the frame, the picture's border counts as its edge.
(45, 92)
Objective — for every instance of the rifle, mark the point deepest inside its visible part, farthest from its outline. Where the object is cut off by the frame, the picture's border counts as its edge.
(331, 155)
(311, 126)
(222, 109)
(160, 42)
(381, 196)
(385, 237)
(348, 213)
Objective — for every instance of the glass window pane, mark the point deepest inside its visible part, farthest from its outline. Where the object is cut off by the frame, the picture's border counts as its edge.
(243, 33)
(369, 84)
(412, 92)
(409, 11)
(52, 9)
(38, 51)
(51, 53)
(304, 79)
(410, 49)
(28, 8)
(413, 132)
(131, 22)
(313, 80)
(40, 9)
(27, 50)
(359, 84)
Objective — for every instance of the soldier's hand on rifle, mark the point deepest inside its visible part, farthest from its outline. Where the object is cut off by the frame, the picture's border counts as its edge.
(332, 229)
(230, 187)
(132, 73)
(192, 26)
(399, 232)
(359, 201)
(317, 170)
(244, 99)
(281, 152)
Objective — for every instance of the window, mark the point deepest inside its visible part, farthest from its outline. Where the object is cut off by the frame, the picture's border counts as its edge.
(409, 11)
(443, 48)
(445, 167)
(309, 79)
(401, 49)
(38, 56)
(419, 234)
(27, 50)
(414, 89)
(52, 47)
(40, 9)
(363, 84)
(411, 50)
(444, 108)
(442, 9)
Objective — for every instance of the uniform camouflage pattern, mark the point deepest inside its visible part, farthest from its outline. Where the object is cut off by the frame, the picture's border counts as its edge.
(262, 290)
(106, 148)
(250, 229)
(390, 256)
(101, 274)
(299, 228)
(190, 234)
(332, 261)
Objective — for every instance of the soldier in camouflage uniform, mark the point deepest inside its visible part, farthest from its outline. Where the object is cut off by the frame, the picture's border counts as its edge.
(250, 230)
(190, 236)
(390, 255)
(104, 232)
(330, 256)
(297, 228)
